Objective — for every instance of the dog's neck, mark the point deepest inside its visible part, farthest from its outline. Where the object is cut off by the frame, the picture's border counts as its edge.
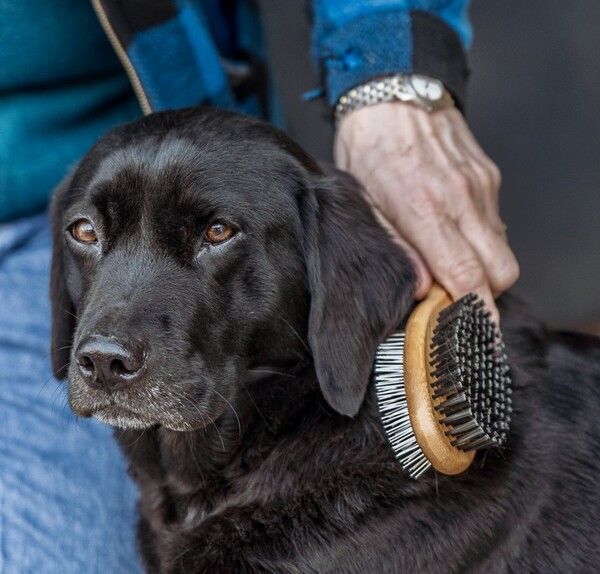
(266, 404)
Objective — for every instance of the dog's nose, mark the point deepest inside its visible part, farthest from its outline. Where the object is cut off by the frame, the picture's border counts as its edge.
(110, 364)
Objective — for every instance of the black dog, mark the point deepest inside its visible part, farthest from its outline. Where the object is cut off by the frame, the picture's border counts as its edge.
(230, 297)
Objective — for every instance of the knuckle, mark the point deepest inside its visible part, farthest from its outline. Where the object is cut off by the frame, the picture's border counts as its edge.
(425, 205)
(507, 275)
(490, 174)
(494, 174)
(460, 180)
(485, 178)
(467, 274)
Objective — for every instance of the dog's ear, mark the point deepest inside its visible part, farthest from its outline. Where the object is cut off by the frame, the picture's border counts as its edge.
(63, 310)
(361, 284)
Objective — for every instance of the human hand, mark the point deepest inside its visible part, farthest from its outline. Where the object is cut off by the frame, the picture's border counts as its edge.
(427, 176)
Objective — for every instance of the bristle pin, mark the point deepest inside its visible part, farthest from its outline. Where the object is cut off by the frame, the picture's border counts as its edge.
(442, 386)
(391, 395)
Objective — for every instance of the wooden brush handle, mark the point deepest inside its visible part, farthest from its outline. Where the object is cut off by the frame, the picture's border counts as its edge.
(417, 379)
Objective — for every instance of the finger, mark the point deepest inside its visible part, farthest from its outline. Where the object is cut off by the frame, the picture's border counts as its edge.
(482, 158)
(486, 186)
(476, 215)
(452, 260)
(499, 261)
(490, 169)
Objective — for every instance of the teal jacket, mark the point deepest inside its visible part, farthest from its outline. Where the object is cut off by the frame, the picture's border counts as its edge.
(58, 95)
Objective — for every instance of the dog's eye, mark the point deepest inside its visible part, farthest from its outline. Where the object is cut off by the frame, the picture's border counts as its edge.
(218, 232)
(84, 232)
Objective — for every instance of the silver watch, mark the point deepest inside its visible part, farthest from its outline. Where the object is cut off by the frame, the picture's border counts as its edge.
(423, 91)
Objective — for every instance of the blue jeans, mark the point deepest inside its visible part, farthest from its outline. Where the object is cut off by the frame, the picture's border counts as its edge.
(66, 503)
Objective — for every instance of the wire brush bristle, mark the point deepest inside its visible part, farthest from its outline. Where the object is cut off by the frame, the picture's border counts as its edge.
(468, 385)
(471, 369)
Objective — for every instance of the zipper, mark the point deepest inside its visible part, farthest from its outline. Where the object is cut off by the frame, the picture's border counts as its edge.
(136, 84)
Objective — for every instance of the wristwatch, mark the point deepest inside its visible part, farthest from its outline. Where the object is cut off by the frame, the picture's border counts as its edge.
(417, 89)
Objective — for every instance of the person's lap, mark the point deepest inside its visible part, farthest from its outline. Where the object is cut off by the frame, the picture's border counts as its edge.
(66, 504)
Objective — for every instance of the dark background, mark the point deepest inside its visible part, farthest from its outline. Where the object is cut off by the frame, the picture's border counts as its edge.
(534, 105)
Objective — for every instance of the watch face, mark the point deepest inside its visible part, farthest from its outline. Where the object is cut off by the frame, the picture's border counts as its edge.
(427, 88)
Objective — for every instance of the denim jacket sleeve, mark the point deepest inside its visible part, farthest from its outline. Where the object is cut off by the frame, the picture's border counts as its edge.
(358, 40)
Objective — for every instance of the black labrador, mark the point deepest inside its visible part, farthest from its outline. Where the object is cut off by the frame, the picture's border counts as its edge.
(219, 297)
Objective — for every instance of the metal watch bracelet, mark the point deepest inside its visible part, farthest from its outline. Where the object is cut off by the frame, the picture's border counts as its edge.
(420, 90)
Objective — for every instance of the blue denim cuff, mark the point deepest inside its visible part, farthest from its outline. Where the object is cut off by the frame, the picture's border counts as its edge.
(389, 42)
(369, 46)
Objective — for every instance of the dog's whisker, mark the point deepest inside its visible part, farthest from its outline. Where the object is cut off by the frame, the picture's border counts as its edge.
(219, 434)
(63, 367)
(138, 438)
(55, 395)
(197, 408)
(254, 403)
(192, 436)
(297, 335)
(196, 463)
(180, 556)
(49, 379)
(234, 412)
(62, 348)
(180, 396)
(54, 350)
(63, 413)
(72, 314)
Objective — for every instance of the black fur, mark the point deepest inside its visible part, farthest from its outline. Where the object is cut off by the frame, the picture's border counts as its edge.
(259, 447)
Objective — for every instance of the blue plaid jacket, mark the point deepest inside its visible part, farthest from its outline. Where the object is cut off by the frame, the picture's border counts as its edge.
(184, 52)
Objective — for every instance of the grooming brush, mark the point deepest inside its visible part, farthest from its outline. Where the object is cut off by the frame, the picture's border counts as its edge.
(443, 385)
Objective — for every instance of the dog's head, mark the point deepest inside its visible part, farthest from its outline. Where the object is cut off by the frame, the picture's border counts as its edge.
(192, 248)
